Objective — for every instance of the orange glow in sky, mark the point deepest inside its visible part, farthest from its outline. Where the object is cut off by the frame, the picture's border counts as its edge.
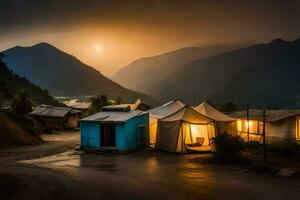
(109, 35)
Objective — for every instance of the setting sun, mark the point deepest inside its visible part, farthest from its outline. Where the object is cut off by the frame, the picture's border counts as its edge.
(98, 48)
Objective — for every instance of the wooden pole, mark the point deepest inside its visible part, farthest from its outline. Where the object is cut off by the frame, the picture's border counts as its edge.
(264, 135)
(248, 131)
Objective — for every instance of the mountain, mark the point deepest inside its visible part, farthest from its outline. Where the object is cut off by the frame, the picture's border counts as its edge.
(63, 74)
(272, 82)
(264, 75)
(11, 84)
(147, 75)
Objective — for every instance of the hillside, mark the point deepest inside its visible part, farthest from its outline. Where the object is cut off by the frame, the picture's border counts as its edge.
(13, 133)
(146, 75)
(264, 75)
(63, 74)
(11, 84)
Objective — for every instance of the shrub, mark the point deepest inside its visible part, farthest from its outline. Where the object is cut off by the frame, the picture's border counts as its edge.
(21, 105)
(228, 147)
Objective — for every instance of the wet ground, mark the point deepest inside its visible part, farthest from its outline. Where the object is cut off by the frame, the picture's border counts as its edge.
(54, 170)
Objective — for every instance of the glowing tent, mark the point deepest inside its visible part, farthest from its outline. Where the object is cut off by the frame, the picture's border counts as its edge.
(185, 130)
(161, 112)
(222, 122)
(209, 111)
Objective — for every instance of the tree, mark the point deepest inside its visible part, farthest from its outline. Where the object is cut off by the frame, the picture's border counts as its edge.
(97, 103)
(103, 100)
(228, 107)
(21, 105)
(5, 91)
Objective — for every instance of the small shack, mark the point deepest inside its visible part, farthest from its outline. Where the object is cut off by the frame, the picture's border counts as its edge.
(161, 112)
(223, 122)
(185, 131)
(116, 127)
(57, 118)
(79, 105)
(281, 125)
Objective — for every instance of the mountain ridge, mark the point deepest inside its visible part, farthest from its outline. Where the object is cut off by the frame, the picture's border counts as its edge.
(160, 66)
(264, 60)
(63, 74)
(12, 83)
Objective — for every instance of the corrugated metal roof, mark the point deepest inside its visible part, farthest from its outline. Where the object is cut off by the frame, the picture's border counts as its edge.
(271, 115)
(75, 103)
(112, 116)
(53, 111)
(120, 108)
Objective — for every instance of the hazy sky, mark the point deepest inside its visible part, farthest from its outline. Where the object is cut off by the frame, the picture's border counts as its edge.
(110, 34)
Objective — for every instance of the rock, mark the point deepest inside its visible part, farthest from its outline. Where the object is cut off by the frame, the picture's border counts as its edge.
(285, 173)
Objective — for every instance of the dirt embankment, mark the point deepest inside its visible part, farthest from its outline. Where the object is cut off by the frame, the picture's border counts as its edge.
(14, 133)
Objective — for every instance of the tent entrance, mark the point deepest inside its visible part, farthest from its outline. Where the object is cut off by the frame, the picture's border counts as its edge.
(199, 135)
(108, 135)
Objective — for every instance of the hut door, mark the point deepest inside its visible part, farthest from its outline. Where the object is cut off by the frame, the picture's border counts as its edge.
(108, 135)
(142, 135)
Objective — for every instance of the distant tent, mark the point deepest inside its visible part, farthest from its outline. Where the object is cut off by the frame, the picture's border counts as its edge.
(185, 130)
(223, 122)
(209, 111)
(77, 104)
(161, 112)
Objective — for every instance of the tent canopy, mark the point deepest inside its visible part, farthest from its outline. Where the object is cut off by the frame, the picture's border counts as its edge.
(166, 109)
(209, 111)
(184, 130)
(188, 114)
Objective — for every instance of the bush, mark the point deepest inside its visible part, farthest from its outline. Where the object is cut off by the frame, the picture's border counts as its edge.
(21, 105)
(228, 147)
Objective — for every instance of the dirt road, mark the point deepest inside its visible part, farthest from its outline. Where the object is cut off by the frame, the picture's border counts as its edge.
(54, 170)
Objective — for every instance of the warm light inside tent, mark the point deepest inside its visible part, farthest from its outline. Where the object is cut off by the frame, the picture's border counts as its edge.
(199, 132)
(242, 126)
(249, 124)
(298, 129)
(239, 125)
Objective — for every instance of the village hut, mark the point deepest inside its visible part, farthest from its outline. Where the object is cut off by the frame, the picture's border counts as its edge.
(185, 131)
(57, 118)
(223, 122)
(79, 105)
(282, 126)
(116, 127)
(161, 112)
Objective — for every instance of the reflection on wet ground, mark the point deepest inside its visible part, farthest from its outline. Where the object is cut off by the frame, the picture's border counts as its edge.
(68, 159)
(50, 174)
(159, 175)
(150, 163)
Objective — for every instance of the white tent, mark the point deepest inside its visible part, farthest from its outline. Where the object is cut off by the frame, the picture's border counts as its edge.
(223, 122)
(209, 111)
(161, 112)
(185, 130)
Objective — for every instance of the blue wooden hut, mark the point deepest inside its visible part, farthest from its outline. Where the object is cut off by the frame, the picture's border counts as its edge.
(115, 126)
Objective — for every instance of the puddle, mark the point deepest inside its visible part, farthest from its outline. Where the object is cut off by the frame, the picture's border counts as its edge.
(67, 159)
